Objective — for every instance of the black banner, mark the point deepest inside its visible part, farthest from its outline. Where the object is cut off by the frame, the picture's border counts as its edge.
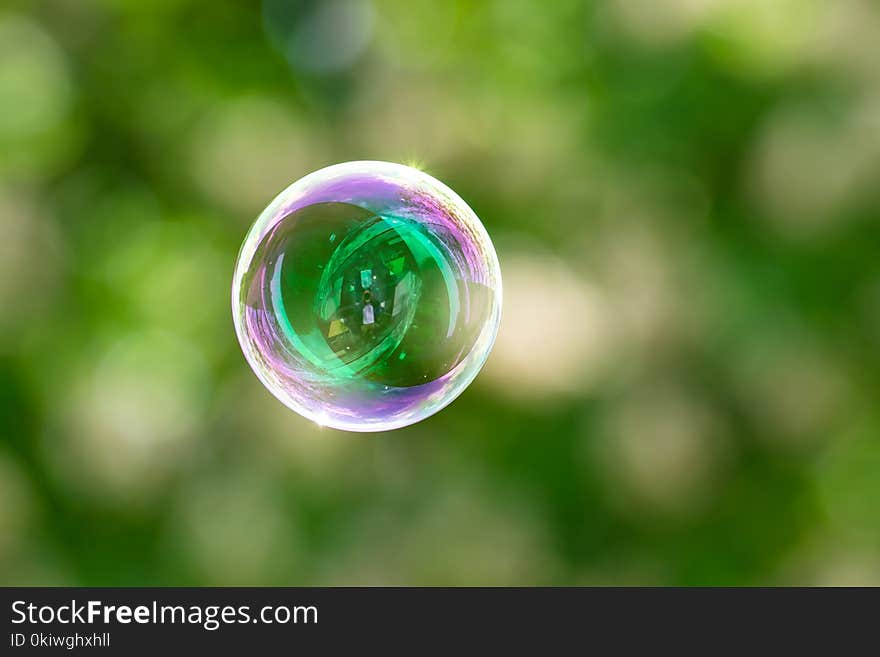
(411, 621)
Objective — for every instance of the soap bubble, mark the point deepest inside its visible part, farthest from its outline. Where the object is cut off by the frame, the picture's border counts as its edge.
(367, 296)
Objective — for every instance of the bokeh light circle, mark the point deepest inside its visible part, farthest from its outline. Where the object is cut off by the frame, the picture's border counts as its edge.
(367, 296)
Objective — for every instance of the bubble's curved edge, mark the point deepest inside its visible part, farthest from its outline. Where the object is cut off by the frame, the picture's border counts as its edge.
(272, 210)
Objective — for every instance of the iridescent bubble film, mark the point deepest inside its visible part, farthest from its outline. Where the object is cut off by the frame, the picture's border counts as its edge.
(367, 296)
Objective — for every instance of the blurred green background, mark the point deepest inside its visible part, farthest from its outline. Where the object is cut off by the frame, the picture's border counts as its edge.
(684, 197)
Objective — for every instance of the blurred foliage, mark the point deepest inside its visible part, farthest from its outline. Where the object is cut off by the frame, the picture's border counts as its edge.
(684, 197)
